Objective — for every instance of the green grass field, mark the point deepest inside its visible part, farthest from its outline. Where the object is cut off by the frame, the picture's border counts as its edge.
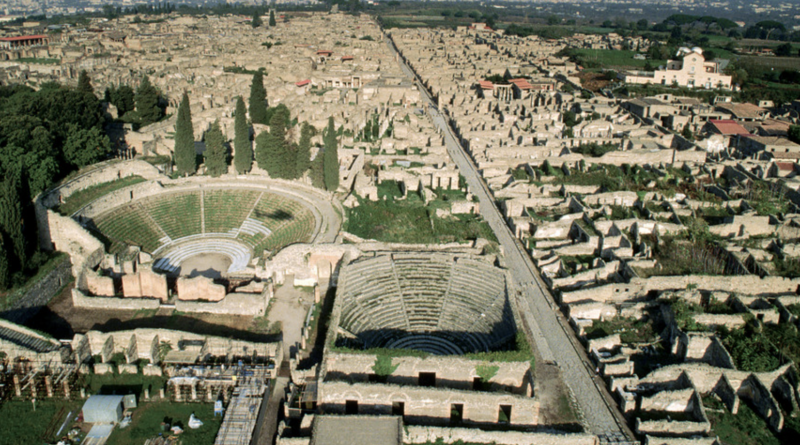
(22, 425)
(611, 58)
(80, 198)
(147, 419)
(410, 221)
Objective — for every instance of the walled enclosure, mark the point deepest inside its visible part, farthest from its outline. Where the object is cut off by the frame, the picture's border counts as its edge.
(402, 299)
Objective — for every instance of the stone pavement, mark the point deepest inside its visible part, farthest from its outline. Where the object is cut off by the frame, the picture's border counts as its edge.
(552, 336)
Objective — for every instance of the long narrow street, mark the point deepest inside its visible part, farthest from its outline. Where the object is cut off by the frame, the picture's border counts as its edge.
(551, 333)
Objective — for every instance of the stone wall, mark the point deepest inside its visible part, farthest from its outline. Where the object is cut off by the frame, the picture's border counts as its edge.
(430, 434)
(199, 288)
(233, 304)
(743, 284)
(39, 295)
(426, 405)
(99, 173)
(80, 299)
(451, 372)
(145, 283)
(62, 233)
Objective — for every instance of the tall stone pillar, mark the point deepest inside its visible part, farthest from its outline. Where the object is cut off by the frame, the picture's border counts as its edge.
(17, 389)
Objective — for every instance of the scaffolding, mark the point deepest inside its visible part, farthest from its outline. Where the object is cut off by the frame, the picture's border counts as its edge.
(241, 415)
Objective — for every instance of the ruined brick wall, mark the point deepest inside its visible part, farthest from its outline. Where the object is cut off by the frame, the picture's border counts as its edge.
(23, 307)
(451, 372)
(426, 405)
(429, 434)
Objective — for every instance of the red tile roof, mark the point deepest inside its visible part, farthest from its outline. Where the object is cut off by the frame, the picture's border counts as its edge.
(728, 127)
(18, 38)
(347, 57)
(486, 85)
(785, 166)
(303, 83)
(522, 84)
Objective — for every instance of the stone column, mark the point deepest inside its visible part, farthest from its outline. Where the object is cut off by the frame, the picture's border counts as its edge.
(65, 385)
(17, 389)
(147, 393)
(177, 392)
(48, 385)
(161, 393)
(33, 387)
(194, 391)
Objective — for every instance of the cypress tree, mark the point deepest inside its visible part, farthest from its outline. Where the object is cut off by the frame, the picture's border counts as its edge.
(11, 217)
(265, 152)
(146, 100)
(330, 160)
(272, 18)
(258, 99)
(316, 172)
(184, 153)
(216, 154)
(5, 273)
(284, 164)
(303, 154)
(256, 22)
(243, 156)
(84, 84)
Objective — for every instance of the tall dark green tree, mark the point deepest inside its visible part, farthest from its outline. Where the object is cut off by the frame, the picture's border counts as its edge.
(5, 272)
(258, 100)
(330, 159)
(11, 217)
(265, 151)
(146, 99)
(243, 148)
(303, 154)
(86, 146)
(122, 98)
(256, 22)
(216, 154)
(272, 18)
(185, 155)
(84, 83)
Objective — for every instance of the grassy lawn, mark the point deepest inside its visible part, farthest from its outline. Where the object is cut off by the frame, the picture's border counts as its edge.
(410, 221)
(123, 383)
(80, 198)
(610, 58)
(147, 419)
(744, 428)
(22, 425)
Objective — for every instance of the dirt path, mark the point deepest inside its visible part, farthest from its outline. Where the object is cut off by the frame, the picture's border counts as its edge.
(290, 307)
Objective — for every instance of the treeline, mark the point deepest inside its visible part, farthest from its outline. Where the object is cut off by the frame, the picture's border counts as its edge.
(142, 107)
(275, 149)
(44, 136)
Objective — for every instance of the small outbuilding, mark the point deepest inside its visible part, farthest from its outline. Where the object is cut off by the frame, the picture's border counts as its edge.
(103, 409)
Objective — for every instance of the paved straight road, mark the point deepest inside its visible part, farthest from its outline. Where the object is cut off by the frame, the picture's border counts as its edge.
(552, 337)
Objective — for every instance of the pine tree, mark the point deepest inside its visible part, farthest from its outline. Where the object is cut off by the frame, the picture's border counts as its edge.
(146, 99)
(84, 84)
(184, 153)
(216, 154)
(272, 18)
(243, 155)
(258, 100)
(330, 160)
(303, 154)
(256, 22)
